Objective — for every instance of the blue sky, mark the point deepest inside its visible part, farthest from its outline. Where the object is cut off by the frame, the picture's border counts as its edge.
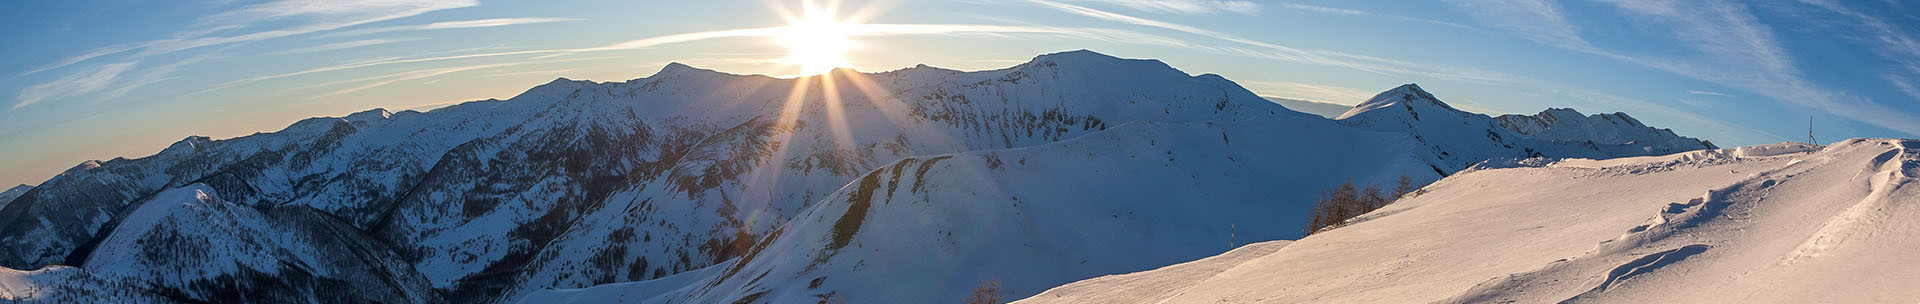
(98, 79)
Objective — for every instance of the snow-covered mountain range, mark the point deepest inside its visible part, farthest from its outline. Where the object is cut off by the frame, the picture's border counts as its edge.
(1784, 223)
(692, 184)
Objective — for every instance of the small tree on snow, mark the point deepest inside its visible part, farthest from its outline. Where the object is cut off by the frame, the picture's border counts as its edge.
(1403, 186)
(1346, 201)
(987, 293)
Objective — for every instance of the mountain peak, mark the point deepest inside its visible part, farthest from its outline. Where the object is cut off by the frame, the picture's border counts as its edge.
(1410, 93)
(1080, 54)
(370, 115)
(674, 68)
(191, 143)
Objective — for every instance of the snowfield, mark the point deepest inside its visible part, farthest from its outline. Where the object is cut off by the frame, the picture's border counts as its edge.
(1784, 223)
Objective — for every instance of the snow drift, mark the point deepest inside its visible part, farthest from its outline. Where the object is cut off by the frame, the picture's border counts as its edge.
(1787, 223)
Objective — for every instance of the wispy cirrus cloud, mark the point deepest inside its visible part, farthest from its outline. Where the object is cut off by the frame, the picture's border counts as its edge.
(1260, 49)
(154, 75)
(1708, 93)
(389, 79)
(405, 76)
(1724, 44)
(1187, 7)
(1354, 12)
(498, 22)
(247, 23)
(339, 46)
(308, 16)
(78, 83)
(1894, 43)
(1537, 20)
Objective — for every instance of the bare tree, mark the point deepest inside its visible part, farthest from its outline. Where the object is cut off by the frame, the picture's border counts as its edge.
(987, 293)
(1346, 201)
(1403, 187)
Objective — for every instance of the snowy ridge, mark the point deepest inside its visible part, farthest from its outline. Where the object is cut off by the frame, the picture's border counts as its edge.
(573, 184)
(13, 193)
(1458, 139)
(1615, 128)
(1727, 225)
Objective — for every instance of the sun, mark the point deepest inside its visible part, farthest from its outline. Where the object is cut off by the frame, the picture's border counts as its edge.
(817, 42)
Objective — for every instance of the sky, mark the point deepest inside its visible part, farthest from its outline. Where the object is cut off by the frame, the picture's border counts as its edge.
(98, 79)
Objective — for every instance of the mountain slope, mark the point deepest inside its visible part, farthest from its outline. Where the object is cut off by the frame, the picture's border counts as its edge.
(1142, 195)
(575, 183)
(1783, 223)
(189, 244)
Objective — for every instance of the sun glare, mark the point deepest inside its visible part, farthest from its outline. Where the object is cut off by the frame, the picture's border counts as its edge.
(817, 42)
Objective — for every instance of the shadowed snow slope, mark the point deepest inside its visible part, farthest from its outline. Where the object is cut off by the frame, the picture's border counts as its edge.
(1779, 223)
(1135, 197)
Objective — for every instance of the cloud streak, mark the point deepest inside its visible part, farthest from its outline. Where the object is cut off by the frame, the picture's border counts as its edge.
(1187, 7)
(450, 25)
(77, 83)
(1708, 93)
(339, 46)
(1728, 45)
(1281, 52)
(310, 16)
(1354, 12)
(306, 16)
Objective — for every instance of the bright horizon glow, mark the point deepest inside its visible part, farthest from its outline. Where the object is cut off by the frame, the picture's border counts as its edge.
(817, 42)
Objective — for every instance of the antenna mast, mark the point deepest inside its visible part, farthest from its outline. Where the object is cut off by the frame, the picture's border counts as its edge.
(1810, 139)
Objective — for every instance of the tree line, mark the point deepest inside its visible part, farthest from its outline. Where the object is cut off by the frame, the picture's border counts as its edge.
(1336, 206)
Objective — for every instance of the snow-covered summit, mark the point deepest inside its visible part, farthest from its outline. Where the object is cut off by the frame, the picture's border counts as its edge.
(1408, 96)
(676, 69)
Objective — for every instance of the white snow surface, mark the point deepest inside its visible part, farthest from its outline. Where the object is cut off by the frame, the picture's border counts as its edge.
(1784, 223)
(1155, 286)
